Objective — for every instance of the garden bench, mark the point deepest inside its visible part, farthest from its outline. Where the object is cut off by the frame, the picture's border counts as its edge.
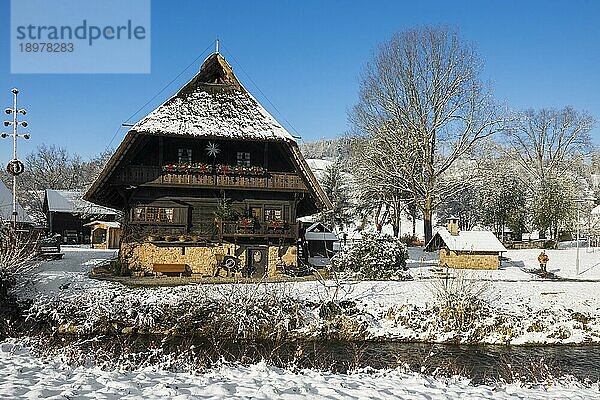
(169, 268)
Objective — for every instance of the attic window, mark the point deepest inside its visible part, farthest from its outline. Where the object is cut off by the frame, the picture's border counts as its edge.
(243, 158)
(184, 156)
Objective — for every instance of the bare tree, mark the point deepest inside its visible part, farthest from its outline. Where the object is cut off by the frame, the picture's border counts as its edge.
(379, 196)
(541, 141)
(52, 167)
(423, 104)
(550, 147)
(335, 183)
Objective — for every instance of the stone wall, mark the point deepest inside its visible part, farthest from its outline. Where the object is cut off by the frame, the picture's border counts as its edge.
(200, 259)
(288, 254)
(469, 260)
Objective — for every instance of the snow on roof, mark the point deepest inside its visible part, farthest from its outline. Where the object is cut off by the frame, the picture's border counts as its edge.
(6, 207)
(468, 241)
(109, 224)
(71, 201)
(596, 210)
(213, 104)
(318, 231)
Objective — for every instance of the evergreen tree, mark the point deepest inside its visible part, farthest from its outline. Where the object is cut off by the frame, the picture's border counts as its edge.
(335, 186)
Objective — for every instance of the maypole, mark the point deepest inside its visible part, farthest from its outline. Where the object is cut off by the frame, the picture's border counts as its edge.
(15, 166)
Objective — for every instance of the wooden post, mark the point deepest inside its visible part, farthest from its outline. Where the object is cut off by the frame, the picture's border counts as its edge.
(160, 150)
(266, 156)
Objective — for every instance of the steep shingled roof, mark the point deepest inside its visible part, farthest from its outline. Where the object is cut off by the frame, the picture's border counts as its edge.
(213, 104)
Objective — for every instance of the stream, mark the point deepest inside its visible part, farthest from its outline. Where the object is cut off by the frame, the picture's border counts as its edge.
(481, 363)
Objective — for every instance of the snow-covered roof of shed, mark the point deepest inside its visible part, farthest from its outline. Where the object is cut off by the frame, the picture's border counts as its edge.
(213, 104)
(6, 207)
(318, 231)
(596, 210)
(71, 201)
(108, 224)
(484, 241)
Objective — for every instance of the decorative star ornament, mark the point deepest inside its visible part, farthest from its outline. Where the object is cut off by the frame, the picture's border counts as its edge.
(213, 149)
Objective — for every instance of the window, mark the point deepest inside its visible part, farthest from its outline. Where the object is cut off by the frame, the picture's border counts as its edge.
(243, 159)
(273, 214)
(256, 212)
(157, 215)
(184, 156)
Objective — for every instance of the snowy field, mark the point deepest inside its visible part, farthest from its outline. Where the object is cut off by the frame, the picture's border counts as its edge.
(23, 376)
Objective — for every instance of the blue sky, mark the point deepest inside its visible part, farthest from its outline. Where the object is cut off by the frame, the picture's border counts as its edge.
(306, 57)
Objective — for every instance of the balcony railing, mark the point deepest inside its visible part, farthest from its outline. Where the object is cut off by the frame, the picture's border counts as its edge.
(262, 230)
(155, 176)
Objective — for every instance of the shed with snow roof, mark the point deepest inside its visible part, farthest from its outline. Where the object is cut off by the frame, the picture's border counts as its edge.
(67, 215)
(319, 244)
(105, 234)
(466, 249)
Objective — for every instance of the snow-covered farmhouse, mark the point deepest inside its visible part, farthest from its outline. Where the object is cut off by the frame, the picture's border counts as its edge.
(209, 181)
(466, 249)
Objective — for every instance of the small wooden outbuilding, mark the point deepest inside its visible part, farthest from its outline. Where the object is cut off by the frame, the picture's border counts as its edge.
(466, 249)
(105, 234)
(319, 245)
(68, 215)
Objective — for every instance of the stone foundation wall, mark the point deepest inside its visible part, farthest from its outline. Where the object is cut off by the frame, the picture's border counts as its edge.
(200, 259)
(468, 260)
(288, 254)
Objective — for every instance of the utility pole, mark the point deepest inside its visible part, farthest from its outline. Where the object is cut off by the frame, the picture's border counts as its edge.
(579, 203)
(15, 166)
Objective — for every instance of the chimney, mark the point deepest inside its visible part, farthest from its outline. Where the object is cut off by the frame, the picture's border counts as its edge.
(452, 225)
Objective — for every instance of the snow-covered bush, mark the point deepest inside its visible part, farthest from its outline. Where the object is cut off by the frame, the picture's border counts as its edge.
(16, 257)
(16, 261)
(375, 257)
(460, 303)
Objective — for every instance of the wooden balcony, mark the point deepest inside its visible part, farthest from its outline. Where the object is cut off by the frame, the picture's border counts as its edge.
(155, 176)
(228, 229)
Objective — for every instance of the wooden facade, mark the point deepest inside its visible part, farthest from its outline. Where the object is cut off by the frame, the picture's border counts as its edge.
(192, 194)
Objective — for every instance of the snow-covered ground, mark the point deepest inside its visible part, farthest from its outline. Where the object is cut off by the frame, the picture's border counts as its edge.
(521, 308)
(530, 310)
(561, 262)
(23, 376)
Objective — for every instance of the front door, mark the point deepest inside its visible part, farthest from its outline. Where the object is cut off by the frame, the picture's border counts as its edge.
(256, 260)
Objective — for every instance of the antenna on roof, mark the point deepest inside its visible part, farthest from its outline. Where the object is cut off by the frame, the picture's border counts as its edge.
(217, 42)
